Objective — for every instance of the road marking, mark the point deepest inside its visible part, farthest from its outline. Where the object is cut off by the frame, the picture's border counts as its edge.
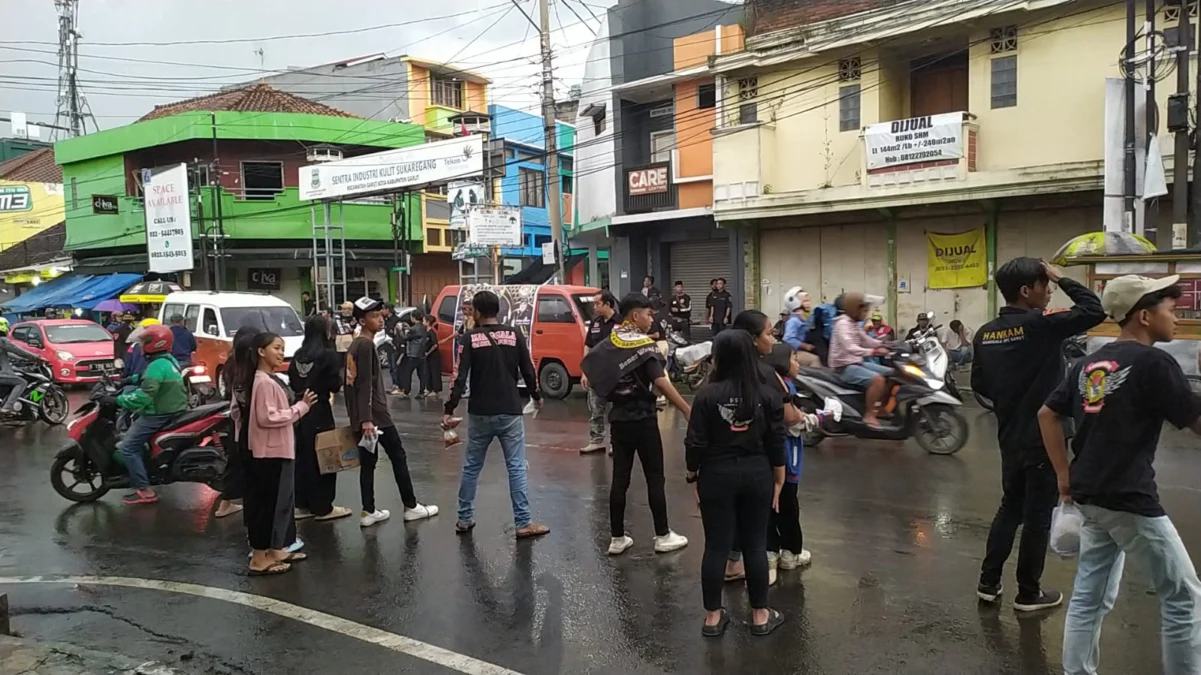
(397, 643)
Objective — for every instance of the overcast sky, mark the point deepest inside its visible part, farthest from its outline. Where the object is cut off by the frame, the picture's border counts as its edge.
(123, 82)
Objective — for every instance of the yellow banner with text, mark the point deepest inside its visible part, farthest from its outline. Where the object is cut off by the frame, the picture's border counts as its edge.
(957, 260)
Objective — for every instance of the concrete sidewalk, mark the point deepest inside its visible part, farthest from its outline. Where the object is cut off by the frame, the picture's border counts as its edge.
(19, 656)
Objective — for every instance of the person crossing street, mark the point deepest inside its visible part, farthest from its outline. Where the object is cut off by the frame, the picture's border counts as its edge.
(604, 307)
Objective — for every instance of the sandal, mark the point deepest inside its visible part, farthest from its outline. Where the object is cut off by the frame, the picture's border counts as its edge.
(296, 557)
(718, 629)
(464, 528)
(271, 570)
(532, 530)
(774, 619)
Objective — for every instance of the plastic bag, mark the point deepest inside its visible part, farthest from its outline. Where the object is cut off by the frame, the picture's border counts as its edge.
(1066, 522)
(450, 437)
(369, 442)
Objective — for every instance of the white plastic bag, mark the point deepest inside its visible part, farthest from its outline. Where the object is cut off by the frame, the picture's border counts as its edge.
(1066, 522)
(369, 442)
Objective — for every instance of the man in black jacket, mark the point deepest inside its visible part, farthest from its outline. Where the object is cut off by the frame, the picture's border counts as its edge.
(414, 342)
(492, 355)
(1018, 363)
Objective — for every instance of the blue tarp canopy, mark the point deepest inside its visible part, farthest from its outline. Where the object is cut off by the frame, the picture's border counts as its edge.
(84, 291)
(100, 288)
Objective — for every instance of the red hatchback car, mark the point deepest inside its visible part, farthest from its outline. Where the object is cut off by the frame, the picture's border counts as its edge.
(78, 350)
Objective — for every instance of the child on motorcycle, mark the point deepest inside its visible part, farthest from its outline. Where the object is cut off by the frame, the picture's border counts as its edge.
(160, 396)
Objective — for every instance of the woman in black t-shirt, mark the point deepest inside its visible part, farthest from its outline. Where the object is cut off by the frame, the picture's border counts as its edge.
(734, 451)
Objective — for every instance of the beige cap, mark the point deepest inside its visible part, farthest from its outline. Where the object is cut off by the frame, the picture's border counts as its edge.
(1123, 293)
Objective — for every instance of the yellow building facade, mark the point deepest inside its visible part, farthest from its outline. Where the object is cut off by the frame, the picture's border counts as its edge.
(844, 143)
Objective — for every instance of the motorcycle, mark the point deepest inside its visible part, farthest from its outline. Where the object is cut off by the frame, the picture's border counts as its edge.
(42, 398)
(1073, 348)
(675, 340)
(191, 449)
(694, 363)
(199, 385)
(917, 399)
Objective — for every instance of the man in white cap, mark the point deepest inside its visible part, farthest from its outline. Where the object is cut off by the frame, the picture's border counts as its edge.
(1120, 396)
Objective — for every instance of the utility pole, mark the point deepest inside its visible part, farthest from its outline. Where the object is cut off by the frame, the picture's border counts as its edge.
(551, 140)
(1187, 38)
(71, 103)
(1178, 123)
(1129, 159)
(1150, 226)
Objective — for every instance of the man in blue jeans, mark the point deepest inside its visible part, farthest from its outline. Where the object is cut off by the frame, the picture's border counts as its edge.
(492, 354)
(1120, 396)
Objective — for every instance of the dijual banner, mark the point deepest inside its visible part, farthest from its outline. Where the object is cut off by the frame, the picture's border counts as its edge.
(956, 260)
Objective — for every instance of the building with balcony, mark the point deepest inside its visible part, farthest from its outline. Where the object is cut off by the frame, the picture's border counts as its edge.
(848, 131)
(644, 157)
(522, 178)
(244, 148)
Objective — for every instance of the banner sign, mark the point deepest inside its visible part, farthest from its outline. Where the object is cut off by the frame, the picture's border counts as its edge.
(461, 196)
(919, 139)
(263, 278)
(105, 205)
(517, 305)
(494, 225)
(956, 260)
(418, 165)
(648, 181)
(168, 219)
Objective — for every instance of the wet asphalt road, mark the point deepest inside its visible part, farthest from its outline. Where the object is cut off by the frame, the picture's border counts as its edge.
(896, 537)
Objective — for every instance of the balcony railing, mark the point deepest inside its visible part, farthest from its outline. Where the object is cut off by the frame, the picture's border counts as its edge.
(649, 188)
(919, 150)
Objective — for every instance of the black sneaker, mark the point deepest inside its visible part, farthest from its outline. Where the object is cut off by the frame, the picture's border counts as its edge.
(988, 593)
(1044, 600)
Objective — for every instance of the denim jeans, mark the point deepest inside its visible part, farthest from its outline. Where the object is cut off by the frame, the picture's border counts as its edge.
(510, 431)
(1106, 538)
(134, 445)
(597, 407)
(961, 356)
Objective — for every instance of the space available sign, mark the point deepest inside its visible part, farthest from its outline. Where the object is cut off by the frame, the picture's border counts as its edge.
(494, 225)
(168, 219)
(439, 162)
(918, 139)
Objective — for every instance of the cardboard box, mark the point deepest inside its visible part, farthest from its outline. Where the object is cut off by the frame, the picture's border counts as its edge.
(337, 450)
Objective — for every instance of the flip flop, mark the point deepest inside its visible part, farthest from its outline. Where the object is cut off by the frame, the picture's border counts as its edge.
(532, 530)
(774, 619)
(464, 528)
(719, 629)
(236, 508)
(271, 570)
(296, 557)
(736, 577)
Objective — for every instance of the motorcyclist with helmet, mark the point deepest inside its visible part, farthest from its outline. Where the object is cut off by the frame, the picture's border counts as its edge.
(9, 377)
(796, 328)
(160, 396)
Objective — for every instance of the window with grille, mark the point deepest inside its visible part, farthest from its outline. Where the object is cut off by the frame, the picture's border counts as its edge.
(446, 91)
(748, 88)
(850, 70)
(1004, 82)
(532, 188)
(1004, 39)
(1172, 13)
(849, 108)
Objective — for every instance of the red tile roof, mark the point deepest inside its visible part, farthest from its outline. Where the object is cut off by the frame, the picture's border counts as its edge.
(34, 167)
(258, 97)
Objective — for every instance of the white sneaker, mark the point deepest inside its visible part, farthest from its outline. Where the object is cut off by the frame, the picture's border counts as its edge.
(618, 545)
(670, 542)
(791, 561)
(419, 512)
(773, 560)
(369, 519)
(804, 558)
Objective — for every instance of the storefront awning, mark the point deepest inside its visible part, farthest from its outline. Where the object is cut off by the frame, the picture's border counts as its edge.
(102, 288)
(83, 291)
(35, 299)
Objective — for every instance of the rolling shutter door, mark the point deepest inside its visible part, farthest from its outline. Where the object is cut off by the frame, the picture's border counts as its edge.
(695, 263)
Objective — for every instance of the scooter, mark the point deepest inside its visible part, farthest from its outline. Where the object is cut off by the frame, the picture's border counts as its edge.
(917, 402)
(199, 385)
(42, 398)
(191, 449)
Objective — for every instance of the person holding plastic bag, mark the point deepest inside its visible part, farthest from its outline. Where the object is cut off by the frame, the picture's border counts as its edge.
(1119, 397)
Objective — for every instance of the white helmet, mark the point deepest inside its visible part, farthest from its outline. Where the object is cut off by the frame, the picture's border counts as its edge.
(795, 298)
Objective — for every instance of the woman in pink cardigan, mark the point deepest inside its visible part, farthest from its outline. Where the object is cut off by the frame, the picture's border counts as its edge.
(267, 435)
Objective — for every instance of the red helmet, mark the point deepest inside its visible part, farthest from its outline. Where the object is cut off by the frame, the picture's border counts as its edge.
(156, 340)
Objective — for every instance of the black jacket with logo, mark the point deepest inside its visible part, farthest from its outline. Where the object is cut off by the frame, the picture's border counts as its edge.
(1018, 362)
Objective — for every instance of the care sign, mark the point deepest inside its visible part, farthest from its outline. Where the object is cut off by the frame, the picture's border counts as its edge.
(651, 180)
(918, 139)
(168, 219)
(439, 162)
(956, 260)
